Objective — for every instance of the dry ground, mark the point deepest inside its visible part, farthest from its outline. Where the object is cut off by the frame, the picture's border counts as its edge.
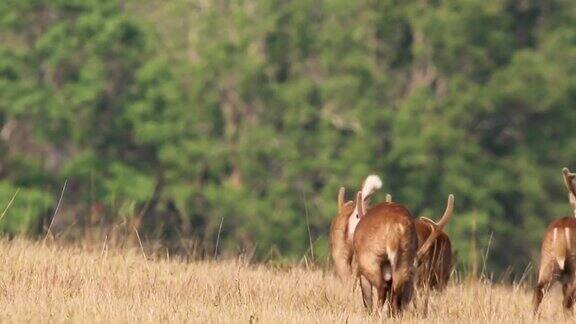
(54, 283)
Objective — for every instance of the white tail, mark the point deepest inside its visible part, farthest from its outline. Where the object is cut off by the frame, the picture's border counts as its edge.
(369, 187)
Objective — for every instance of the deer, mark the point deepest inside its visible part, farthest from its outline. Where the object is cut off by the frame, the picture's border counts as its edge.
(362, 251)
(343, 225)
(558, 252)
(384, 246)
(435, 259)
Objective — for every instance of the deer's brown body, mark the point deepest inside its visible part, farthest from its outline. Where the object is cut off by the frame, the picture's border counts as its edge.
(558, 252)
(558, 261)
(435, 266)
(385, 244)
(340, 248)
(340, 229)
(434, 252)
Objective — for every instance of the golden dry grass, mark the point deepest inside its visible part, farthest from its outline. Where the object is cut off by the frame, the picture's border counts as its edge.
(56, 284)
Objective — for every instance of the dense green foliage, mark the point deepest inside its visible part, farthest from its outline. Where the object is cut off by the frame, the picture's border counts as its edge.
(253, 113)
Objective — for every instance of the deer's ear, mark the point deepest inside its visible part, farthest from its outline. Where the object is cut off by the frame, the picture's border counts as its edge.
(360, 204)
(570, 182)
(568, 176)
(348, 205)
(341, 194)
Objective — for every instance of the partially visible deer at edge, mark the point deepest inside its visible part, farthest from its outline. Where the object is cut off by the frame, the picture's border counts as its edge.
(558, 253)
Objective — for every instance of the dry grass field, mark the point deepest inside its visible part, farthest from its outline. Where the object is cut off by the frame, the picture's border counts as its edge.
(51, 283)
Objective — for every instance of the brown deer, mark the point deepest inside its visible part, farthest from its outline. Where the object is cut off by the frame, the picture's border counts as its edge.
(340, 249)
(385, 246)
(434, 250)
(343, 225)
(343, 249)
(558, 253)
(435, 265)
(435, 260)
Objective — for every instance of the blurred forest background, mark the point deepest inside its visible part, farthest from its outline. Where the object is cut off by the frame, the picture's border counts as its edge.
(185, 119)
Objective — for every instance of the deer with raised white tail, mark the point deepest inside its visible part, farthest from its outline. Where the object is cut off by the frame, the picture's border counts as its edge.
(344, 224)
(382, 243)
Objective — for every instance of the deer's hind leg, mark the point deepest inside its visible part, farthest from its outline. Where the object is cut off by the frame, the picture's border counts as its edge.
(546, 277)
(402, 282)
(366, 292)
(370, 277)
(569, 287)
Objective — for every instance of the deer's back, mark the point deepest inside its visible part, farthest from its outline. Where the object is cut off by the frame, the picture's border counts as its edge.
(386, 225)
